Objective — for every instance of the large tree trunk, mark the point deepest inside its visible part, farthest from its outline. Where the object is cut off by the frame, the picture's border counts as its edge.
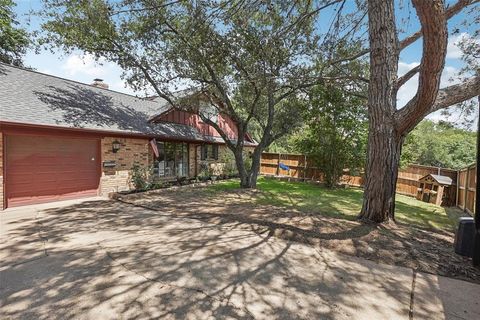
(248, 177)
(242, 172)
(383, 158)
(388, 126)
(384, 144)
(255, 170)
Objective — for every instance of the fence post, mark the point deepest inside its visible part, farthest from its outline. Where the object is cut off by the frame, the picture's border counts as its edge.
(467, 177)
(304, 167)
(278, 165)
(475, 192)
(458, 188)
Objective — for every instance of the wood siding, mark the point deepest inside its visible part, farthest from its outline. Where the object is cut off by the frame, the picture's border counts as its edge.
(467, 185)
(193, 120)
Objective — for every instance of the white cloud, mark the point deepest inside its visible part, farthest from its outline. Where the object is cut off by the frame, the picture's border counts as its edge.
(84, 68)
(408, 90)
(121, 86)
(77, 64)
(46, 70)
(404, 67)
(453, 50)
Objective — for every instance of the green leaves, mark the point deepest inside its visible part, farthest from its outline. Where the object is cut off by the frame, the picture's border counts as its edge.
(439, 144)
(14, 41)
(336, 134)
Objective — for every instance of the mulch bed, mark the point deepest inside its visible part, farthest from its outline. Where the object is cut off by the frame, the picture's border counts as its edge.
(426, 250)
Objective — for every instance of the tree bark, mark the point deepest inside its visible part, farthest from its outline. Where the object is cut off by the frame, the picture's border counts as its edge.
(389, 126)
(248, 178)
(383, 158)
(383, 142)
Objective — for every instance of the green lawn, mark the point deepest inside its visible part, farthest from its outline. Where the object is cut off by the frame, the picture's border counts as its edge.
(343, 203)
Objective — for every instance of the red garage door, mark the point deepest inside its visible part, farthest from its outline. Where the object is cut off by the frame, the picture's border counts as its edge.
(47, 168)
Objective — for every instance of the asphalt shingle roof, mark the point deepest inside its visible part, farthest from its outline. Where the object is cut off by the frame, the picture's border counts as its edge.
(34, 98)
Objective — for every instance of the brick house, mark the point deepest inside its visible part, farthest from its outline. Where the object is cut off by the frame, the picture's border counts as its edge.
(61, 139)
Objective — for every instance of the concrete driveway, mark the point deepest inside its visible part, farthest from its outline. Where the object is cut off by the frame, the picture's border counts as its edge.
(102, 259)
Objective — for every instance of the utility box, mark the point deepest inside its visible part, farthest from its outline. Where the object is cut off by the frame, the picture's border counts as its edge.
(465, 237)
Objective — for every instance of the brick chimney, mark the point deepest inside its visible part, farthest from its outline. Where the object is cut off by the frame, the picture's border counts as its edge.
(99, 83)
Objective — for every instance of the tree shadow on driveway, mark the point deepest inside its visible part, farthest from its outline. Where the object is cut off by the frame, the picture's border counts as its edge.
(106, 259)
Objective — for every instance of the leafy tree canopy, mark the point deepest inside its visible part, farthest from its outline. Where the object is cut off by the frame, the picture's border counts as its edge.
(250, 60)
(13, 40)
(336, 135)
(439, 144)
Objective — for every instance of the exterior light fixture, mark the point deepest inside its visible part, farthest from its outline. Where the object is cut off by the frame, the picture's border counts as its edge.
(115, 146)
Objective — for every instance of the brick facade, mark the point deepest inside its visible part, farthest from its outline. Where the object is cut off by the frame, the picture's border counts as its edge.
(132, 151)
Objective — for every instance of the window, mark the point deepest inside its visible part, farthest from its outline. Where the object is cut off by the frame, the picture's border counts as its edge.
(204, 152)
(172, 159)
(215, 151)
(209, 152)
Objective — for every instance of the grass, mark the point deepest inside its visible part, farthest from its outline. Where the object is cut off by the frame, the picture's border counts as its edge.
(343, 203)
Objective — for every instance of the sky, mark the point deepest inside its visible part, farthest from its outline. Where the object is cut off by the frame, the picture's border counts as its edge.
(84, 68)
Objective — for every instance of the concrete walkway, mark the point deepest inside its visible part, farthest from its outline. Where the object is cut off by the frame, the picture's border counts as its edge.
(101, 259)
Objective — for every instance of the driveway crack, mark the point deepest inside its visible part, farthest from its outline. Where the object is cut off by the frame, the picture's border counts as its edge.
(412, 294)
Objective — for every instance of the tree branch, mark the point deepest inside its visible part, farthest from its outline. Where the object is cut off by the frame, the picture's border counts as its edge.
(450, 12)
(407, 76)
(435, 38)
(457, 93)
(216, 82)
(113, 13)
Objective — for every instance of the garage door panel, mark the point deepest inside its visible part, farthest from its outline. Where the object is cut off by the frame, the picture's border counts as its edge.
(43, 168)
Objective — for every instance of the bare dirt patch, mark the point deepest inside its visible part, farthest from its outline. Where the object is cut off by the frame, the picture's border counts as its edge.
(427, 250)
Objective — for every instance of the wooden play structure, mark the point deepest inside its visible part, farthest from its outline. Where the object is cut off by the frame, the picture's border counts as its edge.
(435, 189)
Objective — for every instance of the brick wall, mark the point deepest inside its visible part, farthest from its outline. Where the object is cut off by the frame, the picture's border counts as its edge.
(191, 159)
(131, 151)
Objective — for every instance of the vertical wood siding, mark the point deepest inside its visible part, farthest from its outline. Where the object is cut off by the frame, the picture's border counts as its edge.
(193, 120)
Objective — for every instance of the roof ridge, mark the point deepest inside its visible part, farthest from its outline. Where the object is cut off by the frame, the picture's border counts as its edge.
(74, 81)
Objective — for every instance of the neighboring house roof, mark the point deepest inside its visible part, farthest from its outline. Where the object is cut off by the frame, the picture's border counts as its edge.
(440, 179)
(30, 97)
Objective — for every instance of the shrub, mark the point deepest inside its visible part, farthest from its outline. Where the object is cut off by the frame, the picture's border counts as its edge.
(229, 168)
(204, 173)
(142, 178)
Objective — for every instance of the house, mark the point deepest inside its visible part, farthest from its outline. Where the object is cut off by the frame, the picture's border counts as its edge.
(435, 189)
(61, 139)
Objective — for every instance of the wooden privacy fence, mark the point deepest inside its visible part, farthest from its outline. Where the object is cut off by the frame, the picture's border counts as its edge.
(466, 188)
(303, 168)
